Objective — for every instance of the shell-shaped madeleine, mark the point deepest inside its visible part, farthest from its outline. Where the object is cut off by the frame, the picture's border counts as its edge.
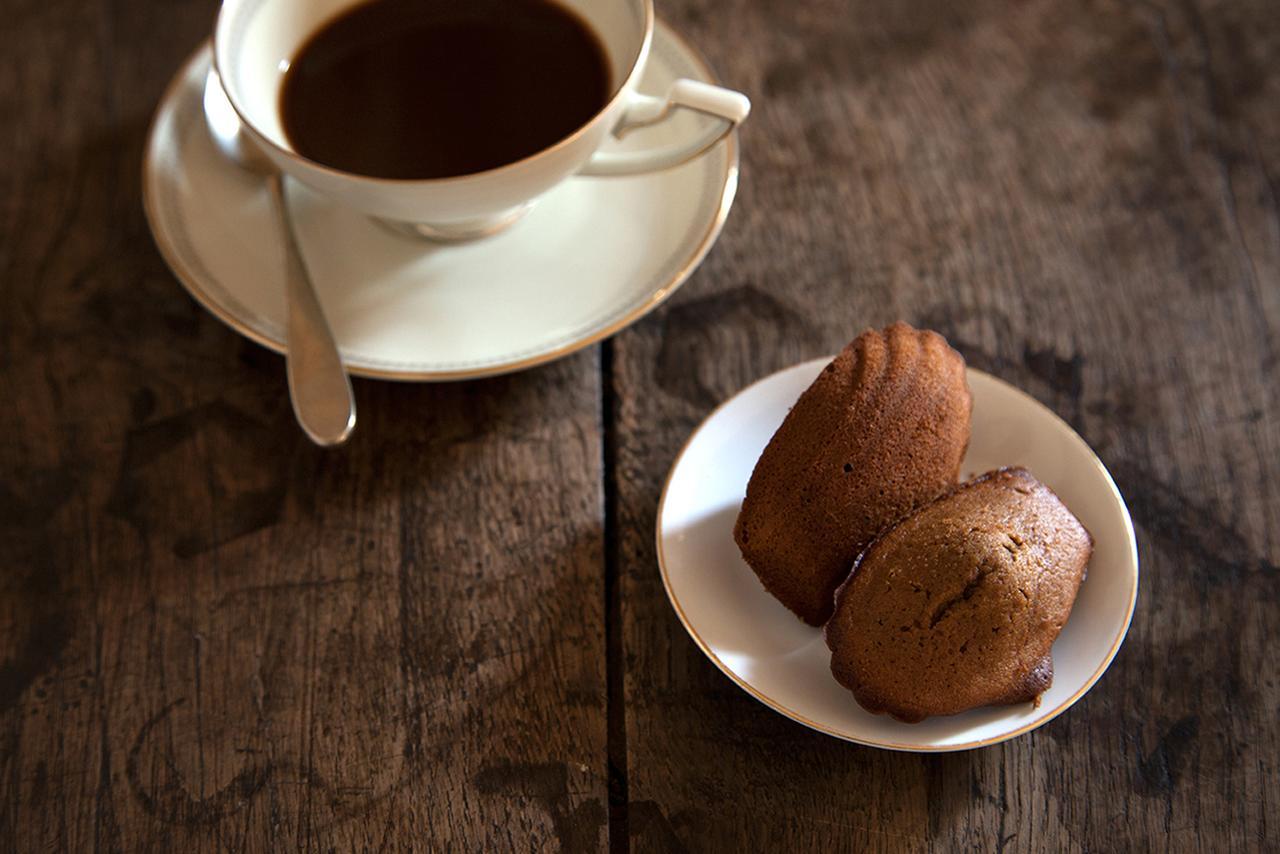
(881, 431)
(957, 606)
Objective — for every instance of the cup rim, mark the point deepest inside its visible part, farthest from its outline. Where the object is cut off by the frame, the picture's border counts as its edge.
(637, 65)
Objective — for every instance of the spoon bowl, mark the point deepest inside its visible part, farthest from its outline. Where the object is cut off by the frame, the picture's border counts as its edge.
(319, 387)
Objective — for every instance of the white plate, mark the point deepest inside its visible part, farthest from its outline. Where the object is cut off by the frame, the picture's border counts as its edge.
(593, 256)
(784, 663)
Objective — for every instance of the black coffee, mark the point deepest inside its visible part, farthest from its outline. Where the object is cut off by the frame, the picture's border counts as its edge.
(439, 88)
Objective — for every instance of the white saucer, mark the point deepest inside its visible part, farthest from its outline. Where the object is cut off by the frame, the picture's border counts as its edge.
(593, 256)
(784, 663)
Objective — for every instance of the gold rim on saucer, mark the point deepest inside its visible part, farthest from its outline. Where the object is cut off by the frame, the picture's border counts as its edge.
(660, 294)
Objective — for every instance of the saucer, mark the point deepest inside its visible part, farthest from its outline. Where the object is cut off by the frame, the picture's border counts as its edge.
(784, 663)
(593, 255)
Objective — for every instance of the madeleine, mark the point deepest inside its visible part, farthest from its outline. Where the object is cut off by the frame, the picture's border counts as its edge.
(880, 432)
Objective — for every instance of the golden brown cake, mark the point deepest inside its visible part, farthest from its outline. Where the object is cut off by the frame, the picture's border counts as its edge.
(880, 432)
(957, 606)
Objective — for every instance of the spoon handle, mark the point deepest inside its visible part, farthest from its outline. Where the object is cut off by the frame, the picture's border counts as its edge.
(318, 384)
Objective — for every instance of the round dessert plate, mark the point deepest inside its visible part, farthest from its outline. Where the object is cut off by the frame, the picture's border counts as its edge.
(784, 663)
(593, 255)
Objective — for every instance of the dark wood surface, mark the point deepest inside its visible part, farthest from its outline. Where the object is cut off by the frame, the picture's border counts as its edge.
(452, 633)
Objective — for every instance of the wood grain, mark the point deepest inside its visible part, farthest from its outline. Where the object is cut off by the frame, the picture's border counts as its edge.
(1082, 196)
(212, 635)
(451, 634)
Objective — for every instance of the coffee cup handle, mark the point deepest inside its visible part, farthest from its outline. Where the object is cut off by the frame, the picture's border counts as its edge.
(642, 111)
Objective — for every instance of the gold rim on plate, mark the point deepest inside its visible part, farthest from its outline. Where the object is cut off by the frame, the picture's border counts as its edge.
(191, 282)
(888, 745)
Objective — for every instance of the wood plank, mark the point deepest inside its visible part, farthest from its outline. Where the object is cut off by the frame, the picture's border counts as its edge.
(213, 635)
(1082, 197)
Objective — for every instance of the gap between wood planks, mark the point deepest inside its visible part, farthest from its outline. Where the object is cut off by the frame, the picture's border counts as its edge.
(615, 673)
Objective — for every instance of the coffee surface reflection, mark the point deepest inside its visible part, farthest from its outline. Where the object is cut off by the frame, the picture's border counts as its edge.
(421, 89)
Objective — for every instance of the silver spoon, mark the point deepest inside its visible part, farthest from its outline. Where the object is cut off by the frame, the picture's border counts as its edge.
(319, 387)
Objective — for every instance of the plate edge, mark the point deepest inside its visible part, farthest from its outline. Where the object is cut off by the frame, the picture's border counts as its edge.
(904, 748)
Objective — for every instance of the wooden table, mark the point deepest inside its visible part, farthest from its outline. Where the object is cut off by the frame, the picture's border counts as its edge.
(451, 634)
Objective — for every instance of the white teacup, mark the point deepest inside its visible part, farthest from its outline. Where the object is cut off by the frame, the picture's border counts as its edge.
(255, 40)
